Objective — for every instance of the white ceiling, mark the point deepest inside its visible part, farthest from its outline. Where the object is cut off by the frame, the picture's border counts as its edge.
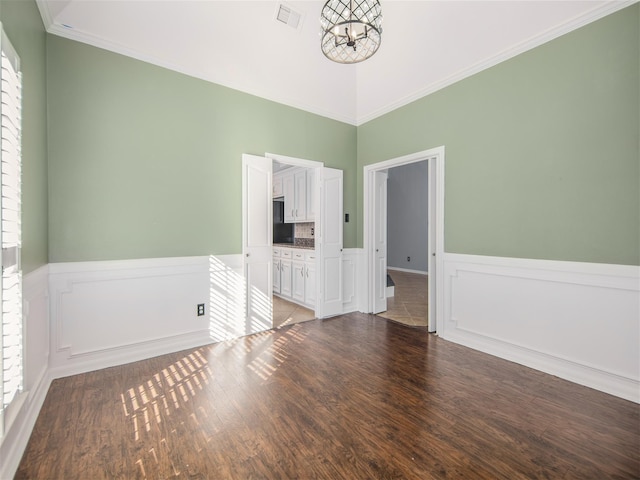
(426, 45)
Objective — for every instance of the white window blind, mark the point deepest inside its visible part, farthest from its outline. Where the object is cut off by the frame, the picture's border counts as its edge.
(11, 326)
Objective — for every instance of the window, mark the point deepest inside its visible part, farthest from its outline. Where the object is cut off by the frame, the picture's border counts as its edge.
(11, 324)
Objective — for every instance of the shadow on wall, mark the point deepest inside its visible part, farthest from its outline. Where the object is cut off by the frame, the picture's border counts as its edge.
(228, 317)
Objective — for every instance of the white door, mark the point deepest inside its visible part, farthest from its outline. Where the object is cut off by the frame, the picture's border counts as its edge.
(432, 265)
(380, 243)
(257, 237)
(331, 212)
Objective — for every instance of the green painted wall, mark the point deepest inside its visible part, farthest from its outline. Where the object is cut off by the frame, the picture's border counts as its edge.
(22, 23)
(146, 162)
(542, 151)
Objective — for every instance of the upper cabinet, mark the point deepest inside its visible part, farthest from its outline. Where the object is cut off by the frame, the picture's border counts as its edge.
(300, 196)
(297, 186)
(289, 198)
(311, 198)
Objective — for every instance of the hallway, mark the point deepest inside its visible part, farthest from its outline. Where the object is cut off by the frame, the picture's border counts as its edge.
(409, 305)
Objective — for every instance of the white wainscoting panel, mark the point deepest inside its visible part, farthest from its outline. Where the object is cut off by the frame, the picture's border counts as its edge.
(113, 312)
(36, 377)
(578, 321)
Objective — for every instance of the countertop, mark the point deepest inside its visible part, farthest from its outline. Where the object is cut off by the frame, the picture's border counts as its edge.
(291, 245)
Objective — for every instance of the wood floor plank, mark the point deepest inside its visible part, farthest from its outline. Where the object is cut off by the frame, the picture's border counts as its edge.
(353, 397)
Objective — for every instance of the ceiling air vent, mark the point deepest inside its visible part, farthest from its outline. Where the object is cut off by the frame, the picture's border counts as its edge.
(288, 16)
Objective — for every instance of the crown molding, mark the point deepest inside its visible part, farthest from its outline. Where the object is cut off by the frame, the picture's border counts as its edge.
(45, 14)
(529, 44)
(102, 43)
(356, 120)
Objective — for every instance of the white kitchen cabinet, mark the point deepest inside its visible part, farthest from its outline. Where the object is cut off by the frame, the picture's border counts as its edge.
(297, 187)
(288, 191)
(298, 275)
(285, 277)
(282, 271)
(310, 279)
(297, 280)
(300, 195)
(276, 275)
(294, 275)
(277, 253)
(310, 197)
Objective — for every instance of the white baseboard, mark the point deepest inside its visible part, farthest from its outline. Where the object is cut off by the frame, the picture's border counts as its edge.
(408, 270)
(577, 321)
(16, 440)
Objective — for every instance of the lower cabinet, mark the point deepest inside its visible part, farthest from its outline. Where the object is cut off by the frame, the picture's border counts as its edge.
(298, 281)
(276, 275)
(294, 275)
(285, 278)
(310, 283)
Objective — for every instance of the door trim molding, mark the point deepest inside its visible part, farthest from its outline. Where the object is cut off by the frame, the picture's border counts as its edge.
(297, 162)
(436, 159)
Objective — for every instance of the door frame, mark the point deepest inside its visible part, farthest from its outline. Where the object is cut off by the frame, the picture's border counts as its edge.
(300, 162)
(436, 161)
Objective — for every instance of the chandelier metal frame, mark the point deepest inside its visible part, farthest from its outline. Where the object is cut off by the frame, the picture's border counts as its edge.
(351, 29)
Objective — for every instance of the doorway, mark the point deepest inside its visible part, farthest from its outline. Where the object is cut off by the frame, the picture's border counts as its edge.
(318, 275)
(287, 235)
(375, 231)
(407, 240)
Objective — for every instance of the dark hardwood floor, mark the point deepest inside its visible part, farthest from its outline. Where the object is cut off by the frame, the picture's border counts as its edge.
(353, 397)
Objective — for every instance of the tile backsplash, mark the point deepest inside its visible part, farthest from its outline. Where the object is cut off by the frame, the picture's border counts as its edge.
(304, 234)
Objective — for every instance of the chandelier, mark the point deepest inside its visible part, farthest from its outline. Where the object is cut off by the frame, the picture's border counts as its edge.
(351, 29)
